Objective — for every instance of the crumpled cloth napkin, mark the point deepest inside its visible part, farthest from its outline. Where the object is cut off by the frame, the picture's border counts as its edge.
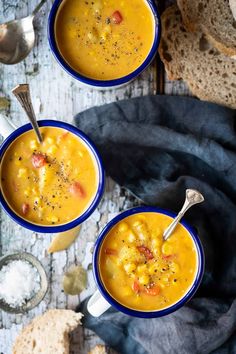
(158, 146)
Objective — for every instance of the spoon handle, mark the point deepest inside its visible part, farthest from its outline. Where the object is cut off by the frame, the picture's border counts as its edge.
(175, 222)
(192, 197)
(22, 94)
(38, 7)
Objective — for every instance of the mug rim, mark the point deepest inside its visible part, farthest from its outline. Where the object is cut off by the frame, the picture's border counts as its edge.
(103, 83)
(101, 178)
(157, 313)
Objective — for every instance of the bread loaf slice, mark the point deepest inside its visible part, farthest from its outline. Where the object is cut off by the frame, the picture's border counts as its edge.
(232, 5)
(47, 334)
(214, 18)
(209, 74)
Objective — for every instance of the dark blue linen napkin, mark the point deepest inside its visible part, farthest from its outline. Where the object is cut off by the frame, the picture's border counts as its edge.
(157, 147)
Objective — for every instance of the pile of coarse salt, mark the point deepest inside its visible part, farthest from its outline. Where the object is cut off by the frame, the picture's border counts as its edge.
(19, 282)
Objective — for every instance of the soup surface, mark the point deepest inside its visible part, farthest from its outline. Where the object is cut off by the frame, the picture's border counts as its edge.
(104, 39)
(49, 183)
(140, 270)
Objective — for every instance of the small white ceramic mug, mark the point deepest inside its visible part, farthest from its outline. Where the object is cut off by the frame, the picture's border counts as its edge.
(101, 300)
(103, 84)
(10, 133)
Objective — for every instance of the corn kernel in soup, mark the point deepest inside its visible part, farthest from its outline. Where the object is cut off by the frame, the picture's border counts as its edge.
(104, 39)
(147, 273)
(50, 183)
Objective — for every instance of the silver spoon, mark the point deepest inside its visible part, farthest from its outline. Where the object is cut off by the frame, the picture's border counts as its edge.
(22, 93)
(17, 38)
(192, 197)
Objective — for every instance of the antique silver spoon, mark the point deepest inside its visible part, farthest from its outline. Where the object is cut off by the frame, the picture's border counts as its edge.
(22, 93)
(192, 197)
(17, 38)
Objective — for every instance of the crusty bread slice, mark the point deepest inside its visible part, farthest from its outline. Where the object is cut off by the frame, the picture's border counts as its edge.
(48, 333)
(214, 18)
(232, 5)
(209, 74)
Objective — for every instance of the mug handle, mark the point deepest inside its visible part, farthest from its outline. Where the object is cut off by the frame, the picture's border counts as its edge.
(6, 127)
(97, 305)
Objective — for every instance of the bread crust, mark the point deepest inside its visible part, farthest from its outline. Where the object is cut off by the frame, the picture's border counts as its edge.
(48, 333)
(209, 74)
(195, 20)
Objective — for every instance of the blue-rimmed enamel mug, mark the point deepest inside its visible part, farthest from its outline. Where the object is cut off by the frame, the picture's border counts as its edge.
(103, 84)
(101, 300)
(10, 133)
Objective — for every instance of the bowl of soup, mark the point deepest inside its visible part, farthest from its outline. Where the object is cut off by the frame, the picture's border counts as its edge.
(104, 43)
(53, 186)
(139, 273)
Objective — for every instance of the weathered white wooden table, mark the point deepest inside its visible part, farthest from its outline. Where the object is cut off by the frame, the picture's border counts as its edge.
(56, 95)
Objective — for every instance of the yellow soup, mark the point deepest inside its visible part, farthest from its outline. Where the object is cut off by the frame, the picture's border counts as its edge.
(104, 39)
(140, 270)
(52, 183)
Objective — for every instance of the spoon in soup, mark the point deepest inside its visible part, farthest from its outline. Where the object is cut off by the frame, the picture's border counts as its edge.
(22, 94)
(192, 197)
(17, 38)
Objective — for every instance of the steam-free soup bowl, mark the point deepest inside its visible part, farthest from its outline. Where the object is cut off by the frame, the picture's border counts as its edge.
(11, 133)
(101, 300)
(103, 84)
